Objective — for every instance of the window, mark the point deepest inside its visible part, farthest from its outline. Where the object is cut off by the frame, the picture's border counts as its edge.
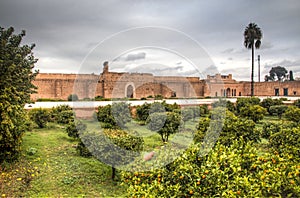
(285, 91)
(276, 92)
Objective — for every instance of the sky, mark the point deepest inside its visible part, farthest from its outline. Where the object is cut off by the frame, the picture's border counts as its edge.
(188, 38)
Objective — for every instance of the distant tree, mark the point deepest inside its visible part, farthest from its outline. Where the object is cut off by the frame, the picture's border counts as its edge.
(279, 72)
(291, 76)
(16, 76)
(252, 38)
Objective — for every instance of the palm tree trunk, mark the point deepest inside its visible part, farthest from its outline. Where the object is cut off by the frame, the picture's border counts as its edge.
(252, 73)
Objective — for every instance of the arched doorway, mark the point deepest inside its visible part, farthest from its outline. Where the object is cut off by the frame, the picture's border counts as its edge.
(228, 92)
(129, 91)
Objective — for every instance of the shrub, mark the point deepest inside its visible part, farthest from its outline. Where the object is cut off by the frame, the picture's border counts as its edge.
(40, 116)
(142, 111)
(270, 128)
(62, 114)
(158, 97)
(75, 128)
(225, 172)
(268, 102)
(225, 128)
(292, 114)
(244, 102)
(253, 112)
(73, 97)
(297, 103)
(187, 114)
(287, 141)
(224, 103)
(114, 116)
(278, 110)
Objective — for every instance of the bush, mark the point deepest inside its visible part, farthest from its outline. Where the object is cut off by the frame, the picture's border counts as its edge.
(292, 114)
(114, 116)
(142, 111)
(297, 103)
(278, 110)
(224, 103)
(270, 128)
(158, 97)
(244, 102)
(225, 128)
(268, 102)
(62, 114)
(287, 141)
(73, 97)
(40, 116)
(253, 112)
(75, 128)
(164, 124)
(225, 172)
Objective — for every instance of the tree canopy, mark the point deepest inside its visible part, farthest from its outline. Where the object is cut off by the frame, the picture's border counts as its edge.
(16, 65)
(278, 73)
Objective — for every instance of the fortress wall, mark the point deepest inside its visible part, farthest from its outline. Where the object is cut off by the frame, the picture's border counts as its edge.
(112, 84)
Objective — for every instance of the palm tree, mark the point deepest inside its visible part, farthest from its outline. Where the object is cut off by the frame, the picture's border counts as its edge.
(252, 37)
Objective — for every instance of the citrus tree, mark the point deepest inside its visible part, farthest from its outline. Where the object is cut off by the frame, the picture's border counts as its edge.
(16, 76)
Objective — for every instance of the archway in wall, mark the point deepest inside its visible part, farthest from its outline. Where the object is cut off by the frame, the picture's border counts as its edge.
(228, 93)
(129, 91)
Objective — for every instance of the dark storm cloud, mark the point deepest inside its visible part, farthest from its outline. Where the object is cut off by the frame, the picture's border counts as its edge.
(65, 32)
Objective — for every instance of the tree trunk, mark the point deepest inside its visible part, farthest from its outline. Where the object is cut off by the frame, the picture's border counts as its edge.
(252, 72)
(113, 174)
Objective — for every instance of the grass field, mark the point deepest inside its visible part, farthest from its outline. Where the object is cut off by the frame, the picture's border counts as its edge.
(50, 167)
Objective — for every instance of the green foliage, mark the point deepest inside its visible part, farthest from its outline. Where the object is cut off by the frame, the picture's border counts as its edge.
(268, 102)
(142, 111)
(62, 114)
(16, 75)
(270, 128)
(158, 97)
(114, 116)
(225, 172)
(187, 114)
(253, 112)
(224, 103)
(49, 100)
(244, 102)
(287, 141)
(40, 116)
(164, 124)
(121, 113)
(73, 97)
(113, 146)
(228, 125)
(297, 103)
(292, 114)
(73, 129)
(279, 72)
(278, 110)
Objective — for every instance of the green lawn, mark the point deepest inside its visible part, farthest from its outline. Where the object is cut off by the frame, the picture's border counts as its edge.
(57, 170)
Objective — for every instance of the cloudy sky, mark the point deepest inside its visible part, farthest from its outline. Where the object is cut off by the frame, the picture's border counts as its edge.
(161, 37)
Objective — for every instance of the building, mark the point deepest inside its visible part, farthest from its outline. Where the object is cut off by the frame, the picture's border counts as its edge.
(139, 85)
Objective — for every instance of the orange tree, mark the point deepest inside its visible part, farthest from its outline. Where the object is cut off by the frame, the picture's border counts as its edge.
(16, 76)
(225, 171)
